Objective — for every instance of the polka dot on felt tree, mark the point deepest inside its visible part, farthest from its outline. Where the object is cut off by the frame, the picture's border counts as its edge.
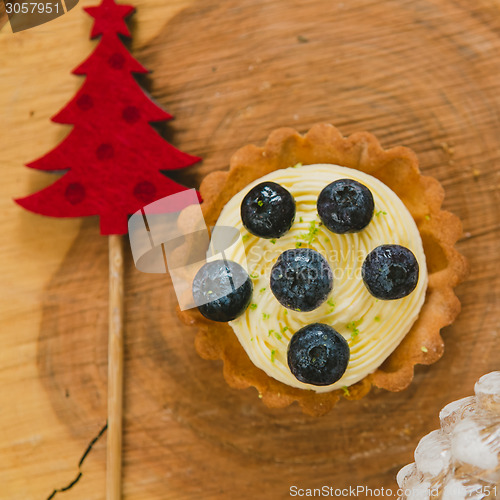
(85, 102)
(131, 114)
(116, 60)
(75, 193)
(105, 152)
(145, 191)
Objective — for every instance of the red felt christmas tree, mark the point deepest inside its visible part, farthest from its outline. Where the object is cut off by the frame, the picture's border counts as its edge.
(113, 156)
(113, 160)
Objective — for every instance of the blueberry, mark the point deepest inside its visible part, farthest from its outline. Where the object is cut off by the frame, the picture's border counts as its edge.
(318, 354)
(268, 210)
(222, 290)
(390, 272)
(345, 206)
(301, 279)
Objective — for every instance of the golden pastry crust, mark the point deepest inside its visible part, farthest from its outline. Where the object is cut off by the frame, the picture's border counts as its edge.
(423, 196)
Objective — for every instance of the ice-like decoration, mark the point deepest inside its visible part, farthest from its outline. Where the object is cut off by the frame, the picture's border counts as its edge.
(456, 411)
(432, 455)
(460, 461)
(487, 391)
(405, 474)
(421, 491)
(472, 445)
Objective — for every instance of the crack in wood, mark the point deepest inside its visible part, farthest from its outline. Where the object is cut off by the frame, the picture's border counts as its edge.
(80, 463)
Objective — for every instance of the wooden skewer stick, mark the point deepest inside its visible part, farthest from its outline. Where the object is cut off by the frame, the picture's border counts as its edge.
(115, 369)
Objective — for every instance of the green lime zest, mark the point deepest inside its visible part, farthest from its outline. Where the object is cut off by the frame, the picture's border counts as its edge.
(275, 333)
(353, 327)
(311, 235)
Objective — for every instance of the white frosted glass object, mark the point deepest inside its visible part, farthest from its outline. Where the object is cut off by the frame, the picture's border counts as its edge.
(456, 411)
(472, 445)
(432, 455)
(487, 391)
(462, 459)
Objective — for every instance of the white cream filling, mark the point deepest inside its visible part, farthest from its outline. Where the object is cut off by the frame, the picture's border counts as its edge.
(373, 328)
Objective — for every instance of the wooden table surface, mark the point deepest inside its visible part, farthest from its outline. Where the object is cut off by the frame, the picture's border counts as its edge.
(421, 73)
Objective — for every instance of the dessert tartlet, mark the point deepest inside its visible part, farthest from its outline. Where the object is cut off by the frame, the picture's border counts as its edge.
(345, 266)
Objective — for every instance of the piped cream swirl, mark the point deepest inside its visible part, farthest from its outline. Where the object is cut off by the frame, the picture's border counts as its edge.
(373, 328)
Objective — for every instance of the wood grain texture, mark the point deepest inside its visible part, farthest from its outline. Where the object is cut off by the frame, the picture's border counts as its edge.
(420, 73)
(3, 15)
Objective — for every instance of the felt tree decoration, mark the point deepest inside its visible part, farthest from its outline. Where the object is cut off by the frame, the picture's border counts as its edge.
(113, 156)
(112, 162)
